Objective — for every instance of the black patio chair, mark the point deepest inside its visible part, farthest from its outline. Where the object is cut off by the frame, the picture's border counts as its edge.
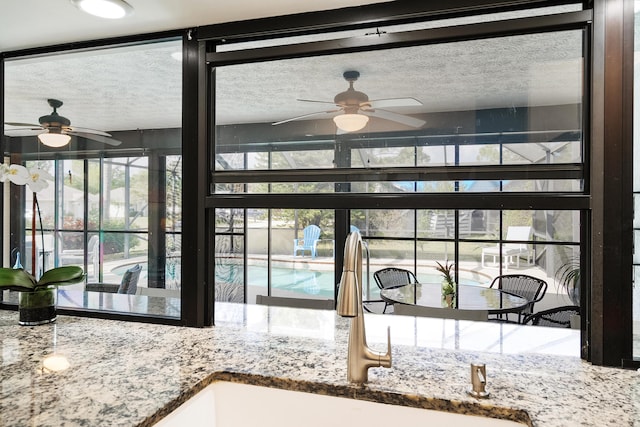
(528, 287)
(557, 317)
(393, 277)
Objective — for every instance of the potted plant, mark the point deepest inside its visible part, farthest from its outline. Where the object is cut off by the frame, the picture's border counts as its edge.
(568, 277)
(448, 284)
(37, 299)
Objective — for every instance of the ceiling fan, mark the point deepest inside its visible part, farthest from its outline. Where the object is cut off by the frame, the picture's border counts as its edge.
(355, 108)
(55, 130)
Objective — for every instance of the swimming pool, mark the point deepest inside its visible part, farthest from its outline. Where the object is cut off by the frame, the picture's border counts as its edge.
(300, 281)
(319, 284)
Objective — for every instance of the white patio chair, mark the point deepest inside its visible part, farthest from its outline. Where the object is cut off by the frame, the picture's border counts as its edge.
(511, 252)
(76, 256)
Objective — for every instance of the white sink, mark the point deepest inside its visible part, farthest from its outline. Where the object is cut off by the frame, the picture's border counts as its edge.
(226, 404)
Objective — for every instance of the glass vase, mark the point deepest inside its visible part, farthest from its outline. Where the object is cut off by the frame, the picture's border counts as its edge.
(37, 307)
(449, 300)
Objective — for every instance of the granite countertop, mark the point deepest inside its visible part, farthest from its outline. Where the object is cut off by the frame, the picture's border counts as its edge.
(132, 374)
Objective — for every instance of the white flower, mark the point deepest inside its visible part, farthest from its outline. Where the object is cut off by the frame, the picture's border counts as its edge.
(15, 173)
(37, 179)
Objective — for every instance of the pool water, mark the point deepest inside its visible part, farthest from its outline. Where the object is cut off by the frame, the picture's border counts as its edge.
(302, 281)
(312, 282)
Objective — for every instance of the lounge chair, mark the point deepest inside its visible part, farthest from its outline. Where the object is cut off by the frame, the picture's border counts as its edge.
(511, 251)
(309, 241)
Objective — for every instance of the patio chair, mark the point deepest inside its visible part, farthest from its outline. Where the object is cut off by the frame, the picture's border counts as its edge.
(528, 287)
(309, 241)
(392, 277)
(557, 317)
(440, 313)
(321, 304)
(511, 251)
(128, 284)
(76, 256)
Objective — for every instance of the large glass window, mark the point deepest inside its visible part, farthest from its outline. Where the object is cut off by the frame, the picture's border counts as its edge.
(114, 201)
(430, 105)
(409, 132)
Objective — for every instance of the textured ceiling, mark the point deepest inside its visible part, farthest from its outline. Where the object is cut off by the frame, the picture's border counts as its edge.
(35, 23)
(114, 89)
(140, 87)
(510, 72)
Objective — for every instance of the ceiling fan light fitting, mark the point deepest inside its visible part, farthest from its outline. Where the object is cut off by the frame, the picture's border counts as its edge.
(351, 122)
(55, 140)
(109, 9)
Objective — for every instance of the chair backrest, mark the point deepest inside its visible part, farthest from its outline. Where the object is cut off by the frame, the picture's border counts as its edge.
(391, 277)
(310, 234)
(321, 304)
(518, 232)
(92, 244)
(558, 317)
(529, 287)
(129, 282)
(441, 313)
(354, 229)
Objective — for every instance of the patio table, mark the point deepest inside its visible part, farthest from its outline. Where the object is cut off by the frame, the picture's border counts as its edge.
(469, 297)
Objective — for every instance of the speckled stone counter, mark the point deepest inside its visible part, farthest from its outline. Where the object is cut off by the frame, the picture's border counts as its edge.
(132, 374)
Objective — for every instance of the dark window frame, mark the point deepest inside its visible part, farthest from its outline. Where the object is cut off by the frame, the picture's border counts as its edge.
(612, 348)
(608, 162)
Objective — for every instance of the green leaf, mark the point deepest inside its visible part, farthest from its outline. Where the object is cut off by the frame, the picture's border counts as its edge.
(16, 279)
(61, 276)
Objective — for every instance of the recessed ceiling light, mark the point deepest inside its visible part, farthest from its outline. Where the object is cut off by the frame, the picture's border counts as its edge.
(110, 9)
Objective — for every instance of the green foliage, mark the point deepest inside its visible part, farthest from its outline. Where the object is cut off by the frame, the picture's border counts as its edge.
(20, 280)
(517, 218)
(320, 217)
(113, 243)
(448, 285)
(568, 276)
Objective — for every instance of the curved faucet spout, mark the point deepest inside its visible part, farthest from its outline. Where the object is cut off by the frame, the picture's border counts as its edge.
(360, 357)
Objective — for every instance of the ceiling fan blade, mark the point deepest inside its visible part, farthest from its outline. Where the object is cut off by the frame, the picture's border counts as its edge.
(95, 137)
(305, 115)
(28, 125)
(316, 101)
(394, 102)
(87, 130)
(395, 117)
(24, 131)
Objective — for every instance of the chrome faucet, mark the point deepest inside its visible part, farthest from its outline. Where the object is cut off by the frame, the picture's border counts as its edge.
(360, 357)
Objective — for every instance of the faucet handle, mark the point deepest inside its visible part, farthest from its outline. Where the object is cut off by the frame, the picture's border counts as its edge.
(478, 381)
